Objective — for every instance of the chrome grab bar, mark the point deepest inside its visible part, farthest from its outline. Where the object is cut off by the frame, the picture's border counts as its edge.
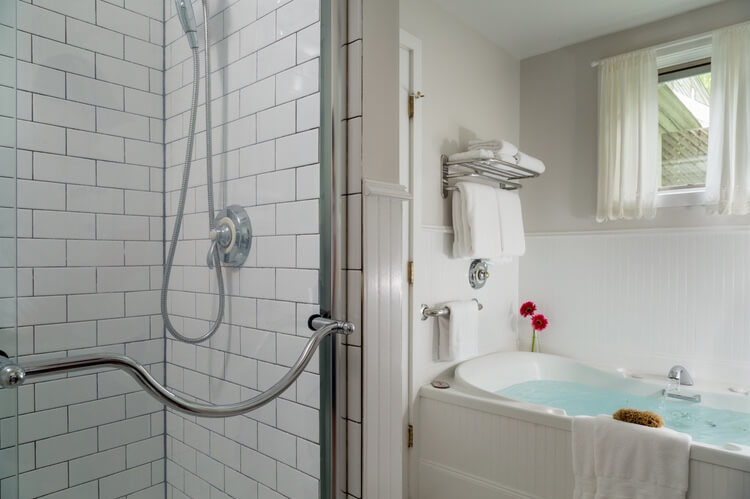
(13, 375)
(427, 312)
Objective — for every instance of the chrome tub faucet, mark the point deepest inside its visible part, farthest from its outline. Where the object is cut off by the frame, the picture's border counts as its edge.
(680, 375)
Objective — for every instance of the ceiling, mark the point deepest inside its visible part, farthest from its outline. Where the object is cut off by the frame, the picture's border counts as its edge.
(531, 27)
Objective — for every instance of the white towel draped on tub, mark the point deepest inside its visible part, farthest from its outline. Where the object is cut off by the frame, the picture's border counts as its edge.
(476, 222)
(459, 331)
(613, 459)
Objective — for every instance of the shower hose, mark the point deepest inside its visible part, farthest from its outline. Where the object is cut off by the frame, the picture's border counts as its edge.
(183, 193)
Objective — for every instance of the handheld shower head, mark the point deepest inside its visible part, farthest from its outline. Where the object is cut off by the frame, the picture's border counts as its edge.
(187, 18)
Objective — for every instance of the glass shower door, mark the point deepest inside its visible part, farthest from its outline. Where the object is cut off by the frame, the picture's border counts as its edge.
(8, 333)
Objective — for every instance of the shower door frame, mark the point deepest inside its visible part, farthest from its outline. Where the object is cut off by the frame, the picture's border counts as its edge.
(332, 213)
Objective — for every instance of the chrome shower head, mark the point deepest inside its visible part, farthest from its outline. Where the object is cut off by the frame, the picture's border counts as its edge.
(187, 18)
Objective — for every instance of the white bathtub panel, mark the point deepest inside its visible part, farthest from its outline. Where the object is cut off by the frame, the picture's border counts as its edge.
(469, 453)
(439, 482)
(645, 299)
(513, 454)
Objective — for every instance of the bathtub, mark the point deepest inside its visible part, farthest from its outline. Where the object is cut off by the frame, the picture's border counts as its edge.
(473, 443)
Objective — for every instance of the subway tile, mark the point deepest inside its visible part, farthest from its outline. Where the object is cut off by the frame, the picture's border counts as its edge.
(43, 480)
(95, 253)
(144, 103)
(143, 203)
(97, 465)
(122, 124)
(122, 175)
(56, 337)
(65, 447)
(41, 253)
(297, 150)
(60, 56)
(145, 451)
(277, 444)
(276, 122)
(143, 52)
(122, 227)
(308, 112)
(296, 15)
(42, 424)
(63, 113)
(277, 57)
(276, 187)
(123, 432)
(308, 43)
(297, 82)
(308, 457)
(95, 306)
(59, 224)
(297, 419)
(40, 137)
(308, 182)
(299, 217)
(122, 330)
(239, 486)
(96, 413)
(259, 34)
(40, 195)
(62, 392)
(122, 21)
(121, 72)
(39, 79)
(259, 467)
(94, 38)
(62, 281)
(295, 484)
(79, 9)
(124, 482)
(94, 199)
(41, 310)
(38, 21)
(95, 146)
(139, 152)
(91, 91)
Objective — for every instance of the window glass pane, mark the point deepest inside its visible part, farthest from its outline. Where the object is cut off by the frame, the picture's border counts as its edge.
(683, 128)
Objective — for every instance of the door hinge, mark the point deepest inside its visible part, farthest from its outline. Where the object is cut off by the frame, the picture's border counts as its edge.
(410, 273)
(410, 441)
(412, 98)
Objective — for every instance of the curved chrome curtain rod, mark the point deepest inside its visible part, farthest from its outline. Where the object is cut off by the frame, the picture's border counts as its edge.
(12, 375)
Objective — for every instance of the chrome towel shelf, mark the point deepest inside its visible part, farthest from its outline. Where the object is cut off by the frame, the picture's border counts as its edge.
(428, 312)
(495, 170)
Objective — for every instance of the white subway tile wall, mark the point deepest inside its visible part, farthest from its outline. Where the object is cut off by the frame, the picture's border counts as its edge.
(265, 118)
(90, 168)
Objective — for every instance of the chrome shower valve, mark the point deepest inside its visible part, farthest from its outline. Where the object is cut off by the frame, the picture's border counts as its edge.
(231, 238)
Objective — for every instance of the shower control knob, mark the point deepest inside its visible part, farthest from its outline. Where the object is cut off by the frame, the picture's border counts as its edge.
(478, 274)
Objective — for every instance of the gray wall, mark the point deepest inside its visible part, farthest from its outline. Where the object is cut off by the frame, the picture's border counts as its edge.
(559, 124)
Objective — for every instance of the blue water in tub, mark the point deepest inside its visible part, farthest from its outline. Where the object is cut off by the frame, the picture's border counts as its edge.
(704, 424)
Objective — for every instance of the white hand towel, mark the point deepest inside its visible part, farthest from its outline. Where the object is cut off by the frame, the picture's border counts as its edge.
(510, 158)
(629, 461)
(459, 331)
(476, 154)
(530, 162)
(497, 146)
(476, 222)
(512, 236)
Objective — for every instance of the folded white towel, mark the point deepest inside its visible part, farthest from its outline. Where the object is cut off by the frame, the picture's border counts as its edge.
(530, 162)
(512, 236)
(510, 158)
(459, 331)
(476, 221)
(474, 154)
(623, 460)
(494, 145)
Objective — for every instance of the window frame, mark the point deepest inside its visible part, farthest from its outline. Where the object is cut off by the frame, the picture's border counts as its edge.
(680, 59)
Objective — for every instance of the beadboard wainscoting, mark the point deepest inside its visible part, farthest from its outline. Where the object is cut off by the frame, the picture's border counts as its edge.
(484, 450)
(385, 253)
(645, 299)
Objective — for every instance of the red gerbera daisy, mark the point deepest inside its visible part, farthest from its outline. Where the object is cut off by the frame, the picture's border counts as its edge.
(539, 322)
(528, 308)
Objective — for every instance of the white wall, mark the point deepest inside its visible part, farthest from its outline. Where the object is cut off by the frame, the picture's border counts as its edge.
(642, 294)
(559, 124)
(472, 91)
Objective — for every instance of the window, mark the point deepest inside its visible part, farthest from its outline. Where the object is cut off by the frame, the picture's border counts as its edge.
(684, 108)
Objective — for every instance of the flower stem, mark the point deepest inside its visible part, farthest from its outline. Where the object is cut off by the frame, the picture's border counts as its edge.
(533, 339)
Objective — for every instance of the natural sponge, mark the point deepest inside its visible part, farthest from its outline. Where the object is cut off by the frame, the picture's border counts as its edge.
(645, 418)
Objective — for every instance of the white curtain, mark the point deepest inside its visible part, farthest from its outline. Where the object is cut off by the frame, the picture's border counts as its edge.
(728, 175)
(629, 151)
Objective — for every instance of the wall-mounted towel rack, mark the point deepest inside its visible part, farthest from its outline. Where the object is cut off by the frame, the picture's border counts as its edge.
(428, 312)
(495, 170)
